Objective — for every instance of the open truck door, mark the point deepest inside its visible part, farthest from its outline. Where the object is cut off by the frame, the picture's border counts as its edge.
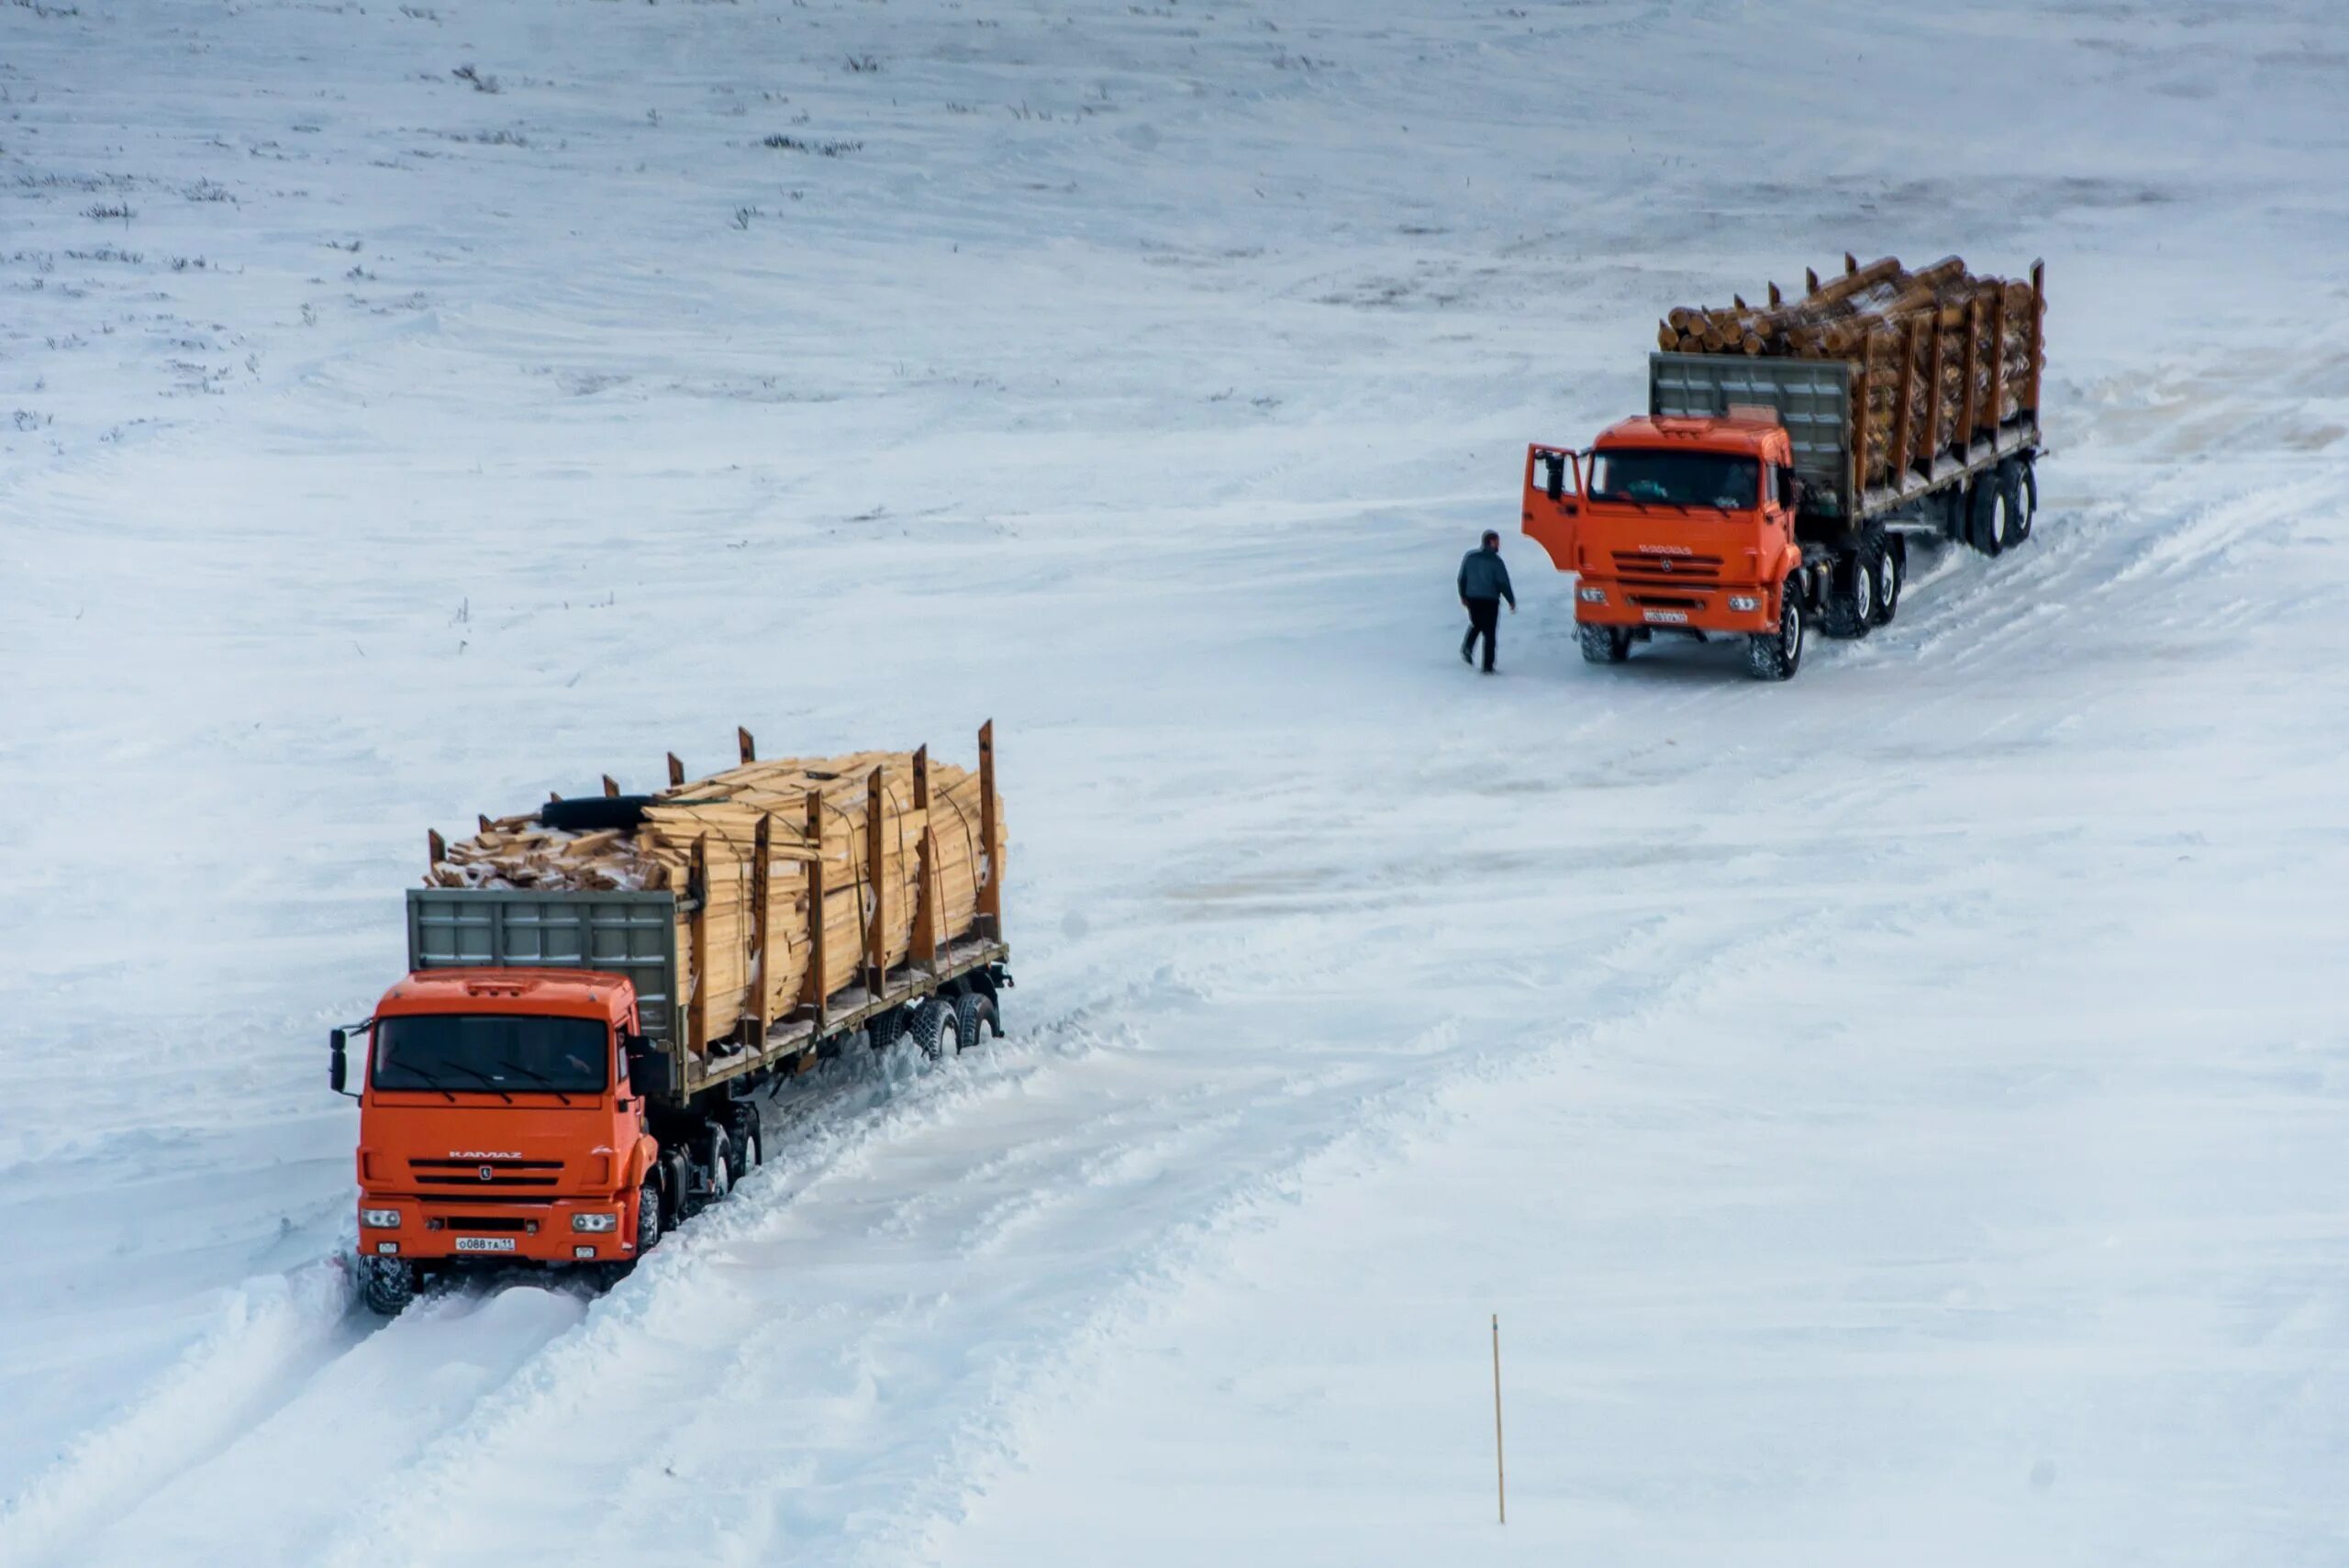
(1554, 501)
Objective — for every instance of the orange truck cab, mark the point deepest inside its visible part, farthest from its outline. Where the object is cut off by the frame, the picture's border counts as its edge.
(1677, 524)
(501, 1119)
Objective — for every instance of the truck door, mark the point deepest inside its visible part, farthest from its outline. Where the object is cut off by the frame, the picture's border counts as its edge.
(1553, 502)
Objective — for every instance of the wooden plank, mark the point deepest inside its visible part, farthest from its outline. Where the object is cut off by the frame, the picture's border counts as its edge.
(611, 787)
(676, 771)
(811, 990)
(991, 873)
(876, 866)
(762, 924)
(436, 846)
(749, 748)
(698, 938)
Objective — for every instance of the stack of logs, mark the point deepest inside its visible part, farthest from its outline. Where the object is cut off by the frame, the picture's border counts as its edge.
(1970, 347)
(746, 840)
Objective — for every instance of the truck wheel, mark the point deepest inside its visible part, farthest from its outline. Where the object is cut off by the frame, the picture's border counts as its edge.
(1604, 644)
(386, 1285)
(1851, 596)
(745, 1138)
(676, 1177)
(933, 1026)
(648, 1217)
(883, 1029)
(1891, 579)
(973, 1014)
(1775, 656)
(1985, 530)
(2012, 491)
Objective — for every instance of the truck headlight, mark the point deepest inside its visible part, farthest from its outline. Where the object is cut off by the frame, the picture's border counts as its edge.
(595, 1222)
(1744, 602)
(379, 1219)
(1591, 595)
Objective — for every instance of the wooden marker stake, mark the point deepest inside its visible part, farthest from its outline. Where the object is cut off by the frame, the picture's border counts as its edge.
(1500, 1473)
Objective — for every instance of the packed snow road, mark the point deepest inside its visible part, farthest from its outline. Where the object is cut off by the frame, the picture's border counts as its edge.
(1896, 1110)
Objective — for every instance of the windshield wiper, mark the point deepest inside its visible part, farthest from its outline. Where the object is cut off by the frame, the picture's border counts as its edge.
(534, 1078)
(486, 1080)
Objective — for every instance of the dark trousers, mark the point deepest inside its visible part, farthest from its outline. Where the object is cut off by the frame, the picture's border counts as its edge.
(1484, 621)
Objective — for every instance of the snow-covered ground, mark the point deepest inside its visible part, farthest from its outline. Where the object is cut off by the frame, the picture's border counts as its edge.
(1898, 1115)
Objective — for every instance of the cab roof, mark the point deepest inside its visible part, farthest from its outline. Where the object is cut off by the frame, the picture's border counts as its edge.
(579, 993)
(1741, 434)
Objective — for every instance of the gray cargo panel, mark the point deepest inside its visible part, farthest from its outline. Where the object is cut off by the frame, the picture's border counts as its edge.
(1812, 398)
(633, 934)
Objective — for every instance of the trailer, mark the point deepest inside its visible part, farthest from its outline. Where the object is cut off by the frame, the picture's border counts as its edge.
(536, 1090)
(1763, 492)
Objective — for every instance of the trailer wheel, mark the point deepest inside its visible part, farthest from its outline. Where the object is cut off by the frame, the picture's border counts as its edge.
(1775, 656)
(1985, 530)
(973, 1014)
(1891, 579)
(933, 1025)
(1852, 597)
(2012, 490)
(386, 1285)
(1604, 644)
(882, 1030)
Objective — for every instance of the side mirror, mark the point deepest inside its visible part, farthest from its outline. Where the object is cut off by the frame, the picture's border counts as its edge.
(651, 1072)
(339, 1062)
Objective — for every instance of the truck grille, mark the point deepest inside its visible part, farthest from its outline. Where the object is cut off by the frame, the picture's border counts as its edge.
(1638, 567)
(478, 1174)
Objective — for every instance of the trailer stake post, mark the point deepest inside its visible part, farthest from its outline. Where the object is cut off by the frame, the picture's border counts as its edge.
(813, 988)
(991, 888)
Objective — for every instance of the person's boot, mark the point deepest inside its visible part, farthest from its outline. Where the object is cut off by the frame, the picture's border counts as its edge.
(1466, 656)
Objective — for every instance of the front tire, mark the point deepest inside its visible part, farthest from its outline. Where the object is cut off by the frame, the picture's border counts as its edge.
(1775, 656)
(1604, 644)
(648, 1217)
(386, 1285)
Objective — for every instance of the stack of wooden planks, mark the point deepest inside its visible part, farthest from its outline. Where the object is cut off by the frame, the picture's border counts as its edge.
(1939, 354)
(744, 848)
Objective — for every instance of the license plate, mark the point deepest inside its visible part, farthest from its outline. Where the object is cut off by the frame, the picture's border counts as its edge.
(1667, 617)
(484, 1243)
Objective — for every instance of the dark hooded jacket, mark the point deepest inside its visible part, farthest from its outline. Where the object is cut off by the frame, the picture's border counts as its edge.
(1484, 576)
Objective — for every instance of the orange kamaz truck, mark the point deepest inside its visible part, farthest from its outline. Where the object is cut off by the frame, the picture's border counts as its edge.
(539, 1088)
(1759, 496)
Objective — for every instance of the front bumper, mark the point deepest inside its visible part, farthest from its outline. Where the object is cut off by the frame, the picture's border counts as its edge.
(435, 1231)
(1677, 609)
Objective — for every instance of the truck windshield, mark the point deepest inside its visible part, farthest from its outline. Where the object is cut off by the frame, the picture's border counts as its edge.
(510, 1053)
(1676, 478)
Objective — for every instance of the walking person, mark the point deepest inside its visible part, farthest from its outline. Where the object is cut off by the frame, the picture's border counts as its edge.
(1483, 583)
